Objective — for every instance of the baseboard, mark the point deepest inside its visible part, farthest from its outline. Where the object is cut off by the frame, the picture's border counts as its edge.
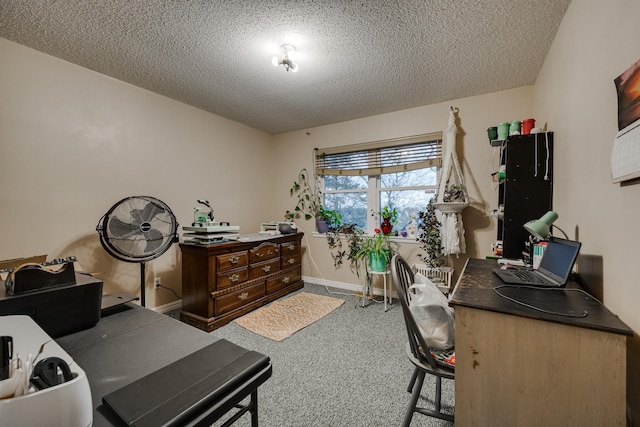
(165, 308)
(175, 305)
(348, 286)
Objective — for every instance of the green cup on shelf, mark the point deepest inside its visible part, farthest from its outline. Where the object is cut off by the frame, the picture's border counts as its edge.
(492, 132)
(503, 130)
(514, 127)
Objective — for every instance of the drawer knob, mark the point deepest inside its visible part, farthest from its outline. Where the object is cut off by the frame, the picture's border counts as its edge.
(291, 260)
(234, 277)
(285, 280)
(266, 268)
(234, 260)
(243, 296)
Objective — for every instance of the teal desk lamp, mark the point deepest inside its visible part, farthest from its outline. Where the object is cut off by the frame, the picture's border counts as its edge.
(541, 228)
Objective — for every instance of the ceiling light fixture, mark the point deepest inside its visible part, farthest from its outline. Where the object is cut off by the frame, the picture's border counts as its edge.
(286, 61)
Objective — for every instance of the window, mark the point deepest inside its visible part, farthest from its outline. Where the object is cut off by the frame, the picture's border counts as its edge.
(360, 179)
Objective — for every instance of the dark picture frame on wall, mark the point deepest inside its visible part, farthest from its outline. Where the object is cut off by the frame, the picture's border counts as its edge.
(628, 90)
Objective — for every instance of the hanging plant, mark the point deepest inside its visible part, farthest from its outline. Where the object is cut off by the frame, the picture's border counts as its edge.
(309, 200)
(344, 250)
(454, 193)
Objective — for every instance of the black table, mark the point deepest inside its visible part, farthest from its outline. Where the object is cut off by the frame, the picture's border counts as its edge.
(477, 289)
(135, 342)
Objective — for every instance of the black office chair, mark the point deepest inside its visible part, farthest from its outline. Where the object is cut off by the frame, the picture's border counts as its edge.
(417, 349)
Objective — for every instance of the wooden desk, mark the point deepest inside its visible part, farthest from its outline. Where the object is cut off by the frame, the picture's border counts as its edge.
(516, 366)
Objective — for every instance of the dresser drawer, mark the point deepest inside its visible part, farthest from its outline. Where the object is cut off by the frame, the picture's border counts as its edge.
(264, 251)
(239, 298)
(290, 260)
(232, 260)
(264, 268)
(289, 248)
(232, 277)
(282, 281)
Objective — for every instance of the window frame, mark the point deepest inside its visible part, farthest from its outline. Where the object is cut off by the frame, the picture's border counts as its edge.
(374, 189)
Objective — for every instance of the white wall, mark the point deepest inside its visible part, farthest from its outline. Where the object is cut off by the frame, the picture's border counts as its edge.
(74, 142)
(576, 96)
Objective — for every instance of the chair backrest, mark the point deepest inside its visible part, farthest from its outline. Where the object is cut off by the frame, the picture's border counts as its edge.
(403, 278)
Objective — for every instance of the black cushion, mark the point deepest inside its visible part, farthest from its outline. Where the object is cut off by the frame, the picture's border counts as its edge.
(196, 384)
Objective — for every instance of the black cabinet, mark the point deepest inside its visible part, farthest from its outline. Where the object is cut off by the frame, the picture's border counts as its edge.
(526, 191)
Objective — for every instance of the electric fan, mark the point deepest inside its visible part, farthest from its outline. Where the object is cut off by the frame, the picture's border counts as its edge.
(138, 229)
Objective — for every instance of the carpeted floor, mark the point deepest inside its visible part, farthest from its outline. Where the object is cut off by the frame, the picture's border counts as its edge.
(347, 369)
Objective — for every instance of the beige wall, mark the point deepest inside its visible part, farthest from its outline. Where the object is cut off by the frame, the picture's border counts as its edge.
(74, 142)
(478, 159)
(576, 96)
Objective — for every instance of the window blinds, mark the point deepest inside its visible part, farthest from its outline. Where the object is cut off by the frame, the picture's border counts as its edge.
(380, 157)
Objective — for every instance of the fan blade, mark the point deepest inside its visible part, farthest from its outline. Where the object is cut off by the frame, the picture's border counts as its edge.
(147, 214)
(119, 229)
(130, 248)
(154, 240)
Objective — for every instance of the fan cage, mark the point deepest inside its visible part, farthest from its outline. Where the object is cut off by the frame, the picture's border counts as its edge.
(141, 240)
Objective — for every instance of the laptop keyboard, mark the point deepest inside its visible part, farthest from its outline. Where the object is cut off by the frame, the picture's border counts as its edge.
(528, 276)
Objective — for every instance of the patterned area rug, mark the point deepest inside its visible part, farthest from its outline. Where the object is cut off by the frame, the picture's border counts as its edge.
(282, 318)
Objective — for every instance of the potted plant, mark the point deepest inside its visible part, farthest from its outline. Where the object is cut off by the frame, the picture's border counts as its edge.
(389, 217)
(431, 241)
(454, 193)
(430, 237)
(375, 253)
(331, 219)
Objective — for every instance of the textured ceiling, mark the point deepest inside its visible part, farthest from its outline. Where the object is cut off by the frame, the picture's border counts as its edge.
(356, 58)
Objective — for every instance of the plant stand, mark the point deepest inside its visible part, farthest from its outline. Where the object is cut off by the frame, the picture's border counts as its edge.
(367, 288)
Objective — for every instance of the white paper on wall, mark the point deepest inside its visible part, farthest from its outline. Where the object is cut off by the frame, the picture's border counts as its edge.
(625, 154)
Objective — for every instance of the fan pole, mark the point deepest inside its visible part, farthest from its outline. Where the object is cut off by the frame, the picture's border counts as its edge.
(142, 283)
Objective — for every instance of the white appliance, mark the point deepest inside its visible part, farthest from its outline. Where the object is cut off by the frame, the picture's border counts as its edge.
(64, 405)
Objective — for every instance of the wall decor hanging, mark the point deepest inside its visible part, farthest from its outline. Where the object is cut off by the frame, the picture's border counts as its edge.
(452, 197)
(625, 154)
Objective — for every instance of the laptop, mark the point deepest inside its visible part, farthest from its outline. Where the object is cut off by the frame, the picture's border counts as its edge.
(554, 269)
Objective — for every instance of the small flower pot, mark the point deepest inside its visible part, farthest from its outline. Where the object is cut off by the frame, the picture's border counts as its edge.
(322, 226)
(386, 225)
(377, 262)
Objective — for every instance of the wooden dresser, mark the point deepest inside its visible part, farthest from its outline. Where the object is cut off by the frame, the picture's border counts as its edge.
(227, 280)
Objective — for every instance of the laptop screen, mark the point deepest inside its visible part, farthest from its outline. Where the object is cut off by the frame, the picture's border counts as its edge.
(558, 258)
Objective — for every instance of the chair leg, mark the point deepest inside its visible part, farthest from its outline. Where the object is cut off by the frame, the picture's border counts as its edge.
(254, 408)
(412, 381)
(437, 398)
(414, 398)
